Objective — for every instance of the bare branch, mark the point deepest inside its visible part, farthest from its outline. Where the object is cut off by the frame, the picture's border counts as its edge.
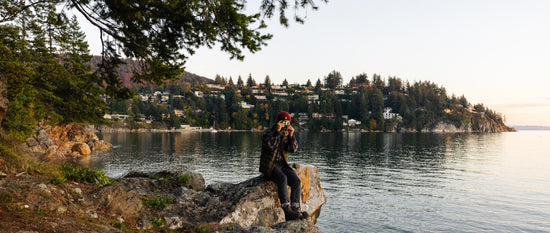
(23, 8)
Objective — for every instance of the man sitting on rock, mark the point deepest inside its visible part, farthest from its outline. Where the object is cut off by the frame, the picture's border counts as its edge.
(277, 142)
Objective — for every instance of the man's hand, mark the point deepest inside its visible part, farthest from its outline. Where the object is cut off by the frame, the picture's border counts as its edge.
(280, 126)
(290, 130)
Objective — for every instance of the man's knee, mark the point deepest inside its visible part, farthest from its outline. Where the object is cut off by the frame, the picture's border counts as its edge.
(296, 182)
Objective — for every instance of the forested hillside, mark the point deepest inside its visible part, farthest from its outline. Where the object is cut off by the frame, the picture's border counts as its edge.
(126, 72)
(368, 103)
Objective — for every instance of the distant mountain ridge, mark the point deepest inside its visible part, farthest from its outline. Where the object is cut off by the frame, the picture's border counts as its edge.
(126, 72)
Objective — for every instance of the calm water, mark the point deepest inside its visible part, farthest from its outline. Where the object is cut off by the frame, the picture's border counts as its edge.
(376, 182)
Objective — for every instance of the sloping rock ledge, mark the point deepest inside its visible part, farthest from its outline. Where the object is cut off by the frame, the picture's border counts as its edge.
(249, 206)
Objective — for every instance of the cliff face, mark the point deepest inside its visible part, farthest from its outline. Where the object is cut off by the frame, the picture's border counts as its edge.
(60, 141)
(477, 123)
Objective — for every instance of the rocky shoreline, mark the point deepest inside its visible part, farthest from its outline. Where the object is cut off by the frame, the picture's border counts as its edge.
(132, 202)
(441, 127)
(62, 141)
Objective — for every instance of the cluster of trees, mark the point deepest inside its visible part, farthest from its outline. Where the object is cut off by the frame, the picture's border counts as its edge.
(421, 104)
(42, 61)
(45, 59)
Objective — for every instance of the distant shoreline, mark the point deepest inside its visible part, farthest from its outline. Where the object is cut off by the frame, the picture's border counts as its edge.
(531, 127)
(210, 130)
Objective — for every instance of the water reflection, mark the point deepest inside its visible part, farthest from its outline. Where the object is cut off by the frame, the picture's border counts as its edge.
(409, 182)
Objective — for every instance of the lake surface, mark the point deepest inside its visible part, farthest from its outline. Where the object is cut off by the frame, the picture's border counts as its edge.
(376, 182)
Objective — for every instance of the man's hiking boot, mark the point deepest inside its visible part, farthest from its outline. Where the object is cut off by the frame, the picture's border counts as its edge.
(291, 214)
(303, 214)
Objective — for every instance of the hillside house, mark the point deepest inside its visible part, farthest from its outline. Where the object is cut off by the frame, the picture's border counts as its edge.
(179, 112)
(353, 122)
(215, 86)
(312, 98)
(246, 105)
(389, 115)
(260, 97)
(339, 92)
(199, 94)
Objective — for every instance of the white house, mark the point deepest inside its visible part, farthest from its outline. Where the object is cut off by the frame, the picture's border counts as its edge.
(280, 93)
(260, 97)
(353, 122)
(144, 97)
(311, 98)
(199, 94)
(115, 116)
(179, 112)
(339, 92)
(245, 105)
(215, 86)
(389, 115)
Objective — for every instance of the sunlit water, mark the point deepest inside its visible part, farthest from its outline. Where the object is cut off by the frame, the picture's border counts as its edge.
(376, 182)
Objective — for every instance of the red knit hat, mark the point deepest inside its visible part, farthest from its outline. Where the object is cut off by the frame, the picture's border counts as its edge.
(283, 116)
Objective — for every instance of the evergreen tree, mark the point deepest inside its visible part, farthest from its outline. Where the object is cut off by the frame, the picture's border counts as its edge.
(318, 86)
(362, 79)
(308, 84)
(267, 84)
(285, 83)
(333, 80)
(240, 82)
(78, 87)
(250, 82)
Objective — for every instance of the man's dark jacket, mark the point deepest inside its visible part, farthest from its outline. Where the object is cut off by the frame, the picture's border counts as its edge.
(274, 142)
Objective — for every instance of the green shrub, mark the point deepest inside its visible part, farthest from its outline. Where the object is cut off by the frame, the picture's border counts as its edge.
(185, 178)
(24, 113)
(40, 212)
(118, 224)
(157, 222)
(76, 173)
(203, 229)
(58, 180)
(157, 202)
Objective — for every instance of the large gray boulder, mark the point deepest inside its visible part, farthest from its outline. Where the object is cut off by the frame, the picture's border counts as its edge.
(252, 203)
(257, 202)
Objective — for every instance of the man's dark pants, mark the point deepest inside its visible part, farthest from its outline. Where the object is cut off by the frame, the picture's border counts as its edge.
(283, 175)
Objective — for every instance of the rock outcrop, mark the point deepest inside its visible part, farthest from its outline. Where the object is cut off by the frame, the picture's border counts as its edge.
(258, 203)
(226, 206)
(61, 141)
(442, 127)
(178, 199)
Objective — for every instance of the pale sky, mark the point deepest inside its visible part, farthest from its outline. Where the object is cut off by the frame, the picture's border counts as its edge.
(495, 52)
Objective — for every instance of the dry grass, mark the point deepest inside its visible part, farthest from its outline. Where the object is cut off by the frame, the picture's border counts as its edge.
(13, 161)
